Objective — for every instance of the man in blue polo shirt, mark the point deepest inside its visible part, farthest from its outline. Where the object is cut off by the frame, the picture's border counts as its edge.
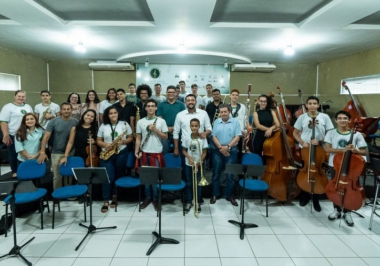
(168, 110)
(225, 135)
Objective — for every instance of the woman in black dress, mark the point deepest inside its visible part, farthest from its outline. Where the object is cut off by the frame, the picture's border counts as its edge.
(266, 122)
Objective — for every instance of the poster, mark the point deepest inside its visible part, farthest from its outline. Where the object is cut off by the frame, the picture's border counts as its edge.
(216, 75)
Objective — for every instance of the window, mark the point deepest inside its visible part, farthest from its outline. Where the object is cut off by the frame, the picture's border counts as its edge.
(362, 85)
(10, 82)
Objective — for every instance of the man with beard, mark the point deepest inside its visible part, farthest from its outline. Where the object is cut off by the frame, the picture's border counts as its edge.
(182, 126)
(144, 92)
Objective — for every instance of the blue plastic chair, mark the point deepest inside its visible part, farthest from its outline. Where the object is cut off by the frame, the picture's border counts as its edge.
(70, 191)
(374, 137)
(253, 184)
(129, 181)
(27, 171)
(174, 162)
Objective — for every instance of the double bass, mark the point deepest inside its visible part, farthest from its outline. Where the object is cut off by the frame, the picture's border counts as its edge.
(281, 168)
(311, 178)
(92, 159)
(344, 189)
(286, 115)
(369, 124)
(302, 108)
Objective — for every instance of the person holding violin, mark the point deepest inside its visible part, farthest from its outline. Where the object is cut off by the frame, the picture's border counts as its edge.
(79, 136)
(302, 134)
(266, 122)
(336, 142)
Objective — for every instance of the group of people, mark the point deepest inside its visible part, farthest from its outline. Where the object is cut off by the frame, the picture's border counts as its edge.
(150, 125)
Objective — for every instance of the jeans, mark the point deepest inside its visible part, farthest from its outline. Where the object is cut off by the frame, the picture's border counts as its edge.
(189, 184)
(115, 167)
(151, 189)
(218, 161)
(12, 155)
(166, 144)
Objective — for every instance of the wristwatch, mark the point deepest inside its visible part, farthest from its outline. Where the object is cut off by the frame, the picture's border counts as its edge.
(229, 148)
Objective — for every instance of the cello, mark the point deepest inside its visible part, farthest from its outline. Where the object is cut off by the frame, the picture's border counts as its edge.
(280, 171)
(286, 115)
(369, 124)
(92, 159)
(344, 189)
(311, 178)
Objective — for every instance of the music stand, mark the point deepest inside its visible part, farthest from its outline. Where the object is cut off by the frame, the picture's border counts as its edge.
(245, 170)
(9, 188)
(89, 176)
(153, 176)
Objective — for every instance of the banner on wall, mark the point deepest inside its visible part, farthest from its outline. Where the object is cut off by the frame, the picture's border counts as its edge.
(216, 75)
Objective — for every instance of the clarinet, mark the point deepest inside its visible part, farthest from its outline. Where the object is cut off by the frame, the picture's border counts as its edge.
(147, 136)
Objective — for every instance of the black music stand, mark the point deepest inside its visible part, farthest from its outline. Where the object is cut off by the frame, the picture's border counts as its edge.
(89, 176)
(245, 170)
(9, 188)
(153, 176)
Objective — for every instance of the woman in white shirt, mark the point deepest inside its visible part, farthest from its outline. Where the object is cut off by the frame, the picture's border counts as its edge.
(10, 117)
(108, 135)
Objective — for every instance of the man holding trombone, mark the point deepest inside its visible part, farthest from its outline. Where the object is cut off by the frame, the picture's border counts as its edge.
(194, 149)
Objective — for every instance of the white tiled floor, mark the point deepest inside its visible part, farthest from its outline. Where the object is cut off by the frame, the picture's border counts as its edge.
(291, 235)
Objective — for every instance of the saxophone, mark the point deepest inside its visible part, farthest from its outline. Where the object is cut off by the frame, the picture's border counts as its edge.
(44, 120)
(114, 147)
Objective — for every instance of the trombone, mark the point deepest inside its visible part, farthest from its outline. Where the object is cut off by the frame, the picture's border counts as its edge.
(202, 182)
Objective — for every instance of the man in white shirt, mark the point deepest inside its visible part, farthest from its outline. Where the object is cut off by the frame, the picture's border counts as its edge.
(194, 89)
(208, 98)
(183, 93)
(46, 110)
(157, 96)
(182, 125)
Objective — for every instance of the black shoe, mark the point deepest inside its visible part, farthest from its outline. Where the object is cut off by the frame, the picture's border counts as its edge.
(201, 201)
(316, 205)
(304, 202)
(233, 201)
(199, 208)
(213, 200)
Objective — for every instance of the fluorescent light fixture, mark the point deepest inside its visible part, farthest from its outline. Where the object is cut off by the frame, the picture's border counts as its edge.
(146, 62)
(289, 50)
(80, 48)
(181, 48)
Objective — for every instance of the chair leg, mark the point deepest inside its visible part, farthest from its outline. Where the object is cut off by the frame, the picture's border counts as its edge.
(116, 198)
(42, 213)
(266, 199)
(47, 203)
(374, 206)
(84, 206)
(139, 198)
(53, 215)
(183, 203)
(6, 220)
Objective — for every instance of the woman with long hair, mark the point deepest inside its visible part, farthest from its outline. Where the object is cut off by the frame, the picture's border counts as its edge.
(74, 100)
(92, 102)
(28, 138)
(266, 122)
(110, 100)
(79, 135)
(11, 116)
(108, 139)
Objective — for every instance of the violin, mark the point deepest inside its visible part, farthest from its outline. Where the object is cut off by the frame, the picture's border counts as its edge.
(344, 190)
(92, 159)
(369, 124)
(311, 178)
(302, 108)
(281, 170)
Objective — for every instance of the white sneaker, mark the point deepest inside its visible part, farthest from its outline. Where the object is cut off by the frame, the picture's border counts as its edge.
(348, 219)
(334, 215)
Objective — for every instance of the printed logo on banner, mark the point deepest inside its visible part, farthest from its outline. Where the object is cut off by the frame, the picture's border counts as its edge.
(155, 73)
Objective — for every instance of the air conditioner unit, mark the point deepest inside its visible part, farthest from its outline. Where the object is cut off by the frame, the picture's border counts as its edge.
(254, 67)
(110, 65)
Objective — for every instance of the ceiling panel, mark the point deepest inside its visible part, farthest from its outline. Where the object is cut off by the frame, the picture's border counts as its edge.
(373, 19)
(265, 11)
(99, 10)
